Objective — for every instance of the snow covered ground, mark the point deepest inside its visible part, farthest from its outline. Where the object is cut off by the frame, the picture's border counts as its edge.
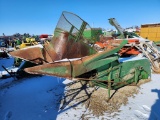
(39, 98)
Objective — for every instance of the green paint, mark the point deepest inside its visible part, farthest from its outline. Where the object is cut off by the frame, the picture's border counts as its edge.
(92, 34)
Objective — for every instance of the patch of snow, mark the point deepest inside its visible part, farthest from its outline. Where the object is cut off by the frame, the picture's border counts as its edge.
(6, 62)
(39, 98)
(132, 58)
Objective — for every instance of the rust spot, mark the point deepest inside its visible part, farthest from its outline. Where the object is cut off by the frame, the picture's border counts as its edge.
(63, 46)
(32, 54)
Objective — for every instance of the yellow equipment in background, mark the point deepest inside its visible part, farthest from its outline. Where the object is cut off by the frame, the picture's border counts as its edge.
(29, 42)
(151, 31)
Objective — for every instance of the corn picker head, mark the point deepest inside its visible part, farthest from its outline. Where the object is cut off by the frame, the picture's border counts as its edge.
(98, 67)
(68, 42)
(101, 69)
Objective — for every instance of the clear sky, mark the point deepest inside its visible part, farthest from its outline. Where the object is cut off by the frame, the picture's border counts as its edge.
(41, 16)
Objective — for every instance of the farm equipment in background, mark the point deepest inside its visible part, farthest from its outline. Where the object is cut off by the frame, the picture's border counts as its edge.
(151, 31)
(45, 38)
(138, 45)
(84, 62)
(122, 34)
(29, 41)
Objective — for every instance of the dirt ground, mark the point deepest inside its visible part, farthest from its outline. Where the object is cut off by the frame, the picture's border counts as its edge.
(96, 99)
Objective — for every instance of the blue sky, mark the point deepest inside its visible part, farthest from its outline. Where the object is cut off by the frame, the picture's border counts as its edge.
(41, 16)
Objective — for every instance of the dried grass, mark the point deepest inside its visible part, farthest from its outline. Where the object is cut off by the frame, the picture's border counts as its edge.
(97, 101)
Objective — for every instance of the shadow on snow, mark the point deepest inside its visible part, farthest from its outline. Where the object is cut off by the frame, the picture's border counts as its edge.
(155, 109)
(35, 98)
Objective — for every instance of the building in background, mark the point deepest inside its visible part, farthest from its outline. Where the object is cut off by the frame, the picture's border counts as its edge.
(150, 31)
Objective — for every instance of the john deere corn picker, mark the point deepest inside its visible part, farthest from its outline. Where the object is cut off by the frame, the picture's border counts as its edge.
(81, 61)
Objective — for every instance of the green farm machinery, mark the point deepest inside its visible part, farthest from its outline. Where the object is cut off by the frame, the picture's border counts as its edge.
(71, 54)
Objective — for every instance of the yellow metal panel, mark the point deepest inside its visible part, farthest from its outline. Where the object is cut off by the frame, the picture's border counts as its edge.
(152, 35)
(144, 35)
(157, 39)
(152, 38)
(158, 29)
(152, 29)
(158, 34)
(144, 30)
